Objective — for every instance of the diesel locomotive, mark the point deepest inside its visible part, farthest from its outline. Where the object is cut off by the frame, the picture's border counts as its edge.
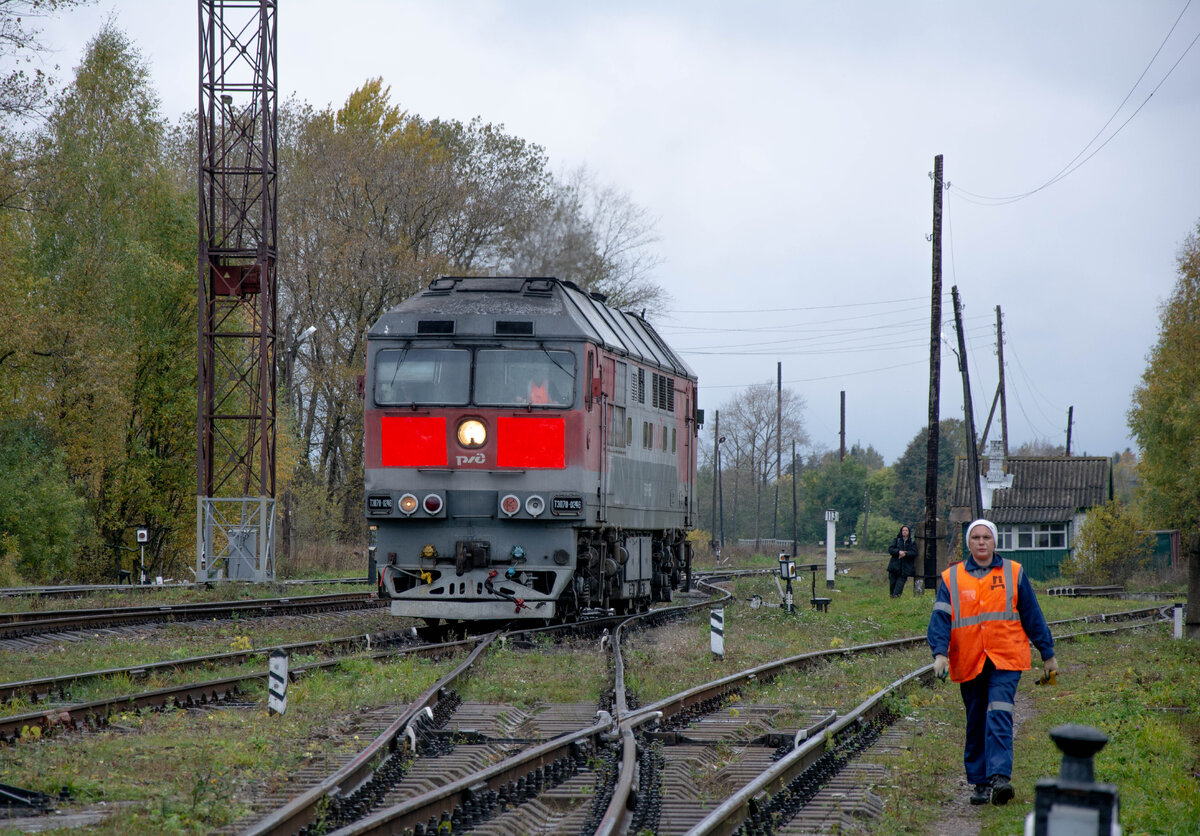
(529, 452)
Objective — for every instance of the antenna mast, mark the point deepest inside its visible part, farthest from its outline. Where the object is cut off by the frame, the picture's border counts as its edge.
(235, 482)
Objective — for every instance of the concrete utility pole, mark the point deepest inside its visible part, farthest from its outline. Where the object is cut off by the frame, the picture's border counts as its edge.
(716, 472)
(795, 475)
(1070, 421)
(935, 365)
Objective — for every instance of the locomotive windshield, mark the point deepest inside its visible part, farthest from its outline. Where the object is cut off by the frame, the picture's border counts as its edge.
(503, 377)
(508, 377)
(423, 376)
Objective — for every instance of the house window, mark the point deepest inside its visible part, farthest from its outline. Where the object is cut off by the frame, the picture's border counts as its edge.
(1035, 536)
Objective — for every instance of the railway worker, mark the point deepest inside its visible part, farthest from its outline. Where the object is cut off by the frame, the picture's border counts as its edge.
(903, 564)
(539, 391)
(985, 616)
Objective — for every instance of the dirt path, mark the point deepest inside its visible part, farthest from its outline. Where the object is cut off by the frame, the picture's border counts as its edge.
(959, 817)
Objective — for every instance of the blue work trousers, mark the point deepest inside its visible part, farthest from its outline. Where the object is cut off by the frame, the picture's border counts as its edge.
(988, 699)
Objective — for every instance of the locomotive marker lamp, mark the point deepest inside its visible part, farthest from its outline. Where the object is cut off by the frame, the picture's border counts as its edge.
(408, 503)
(471, 433)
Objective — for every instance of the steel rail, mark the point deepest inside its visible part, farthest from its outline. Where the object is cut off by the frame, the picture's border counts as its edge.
(445, 799)
(40, 689)
(304, 809)
(78, 590)
(95, 712)
(618, 813)
(731, 813)
(15, 624)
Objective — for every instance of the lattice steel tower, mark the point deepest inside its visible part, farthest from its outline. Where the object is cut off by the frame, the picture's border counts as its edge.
(235, 532)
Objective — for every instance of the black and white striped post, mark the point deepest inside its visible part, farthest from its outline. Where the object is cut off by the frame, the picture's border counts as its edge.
(277, 680)
(716, 630)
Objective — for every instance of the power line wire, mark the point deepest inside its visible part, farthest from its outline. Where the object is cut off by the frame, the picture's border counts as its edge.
(1073, 166)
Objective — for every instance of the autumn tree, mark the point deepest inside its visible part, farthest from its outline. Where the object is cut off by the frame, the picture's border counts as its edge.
(593, 235)
(1165, 415)
(1111, 546)
(376, 202)
(109, 370)
(750, 426)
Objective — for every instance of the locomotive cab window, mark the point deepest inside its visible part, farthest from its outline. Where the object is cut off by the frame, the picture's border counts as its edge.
(422, 376)
(524, 377)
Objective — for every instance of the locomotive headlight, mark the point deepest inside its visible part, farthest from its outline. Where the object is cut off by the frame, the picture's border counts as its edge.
(471, 433)
(535, 505)
(408, 503)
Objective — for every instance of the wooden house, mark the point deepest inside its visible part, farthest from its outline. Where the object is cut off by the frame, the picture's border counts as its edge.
(1039, 512)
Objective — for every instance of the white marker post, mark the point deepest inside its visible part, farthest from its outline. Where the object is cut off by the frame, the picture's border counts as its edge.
(1178, 621)
(831, 518)
(277, 680)
(716, 630)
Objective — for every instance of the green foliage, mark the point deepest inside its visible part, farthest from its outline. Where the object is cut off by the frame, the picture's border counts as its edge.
(1165, 416)
(881, 531)
(1111, 546)
(102, 294)
(41, 518)
(909, 501)
(838, 485)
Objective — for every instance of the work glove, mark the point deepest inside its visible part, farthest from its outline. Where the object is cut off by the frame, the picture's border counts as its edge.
(1050, 665)
(941, 667)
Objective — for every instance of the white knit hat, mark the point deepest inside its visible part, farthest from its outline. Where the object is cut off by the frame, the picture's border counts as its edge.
(989, 524)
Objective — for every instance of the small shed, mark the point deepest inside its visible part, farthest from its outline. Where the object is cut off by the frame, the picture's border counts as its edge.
(1039, 513)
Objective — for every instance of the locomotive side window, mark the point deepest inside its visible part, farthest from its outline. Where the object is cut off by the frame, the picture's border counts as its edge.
(520, 377)
(422, 376)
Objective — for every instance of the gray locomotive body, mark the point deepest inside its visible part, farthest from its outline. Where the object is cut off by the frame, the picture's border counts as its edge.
(530, 453)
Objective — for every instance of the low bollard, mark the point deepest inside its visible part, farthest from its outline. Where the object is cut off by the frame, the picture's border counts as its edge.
(1074, 804)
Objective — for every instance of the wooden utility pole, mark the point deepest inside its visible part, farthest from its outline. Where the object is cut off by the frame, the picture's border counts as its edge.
(1003, 397)
(935, 365)
(778, 442)
(1070, 420)
(968, 413)
(842, 432)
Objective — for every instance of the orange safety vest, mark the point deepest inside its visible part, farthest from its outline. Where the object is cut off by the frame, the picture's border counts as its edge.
(984, 621)
(539, 393)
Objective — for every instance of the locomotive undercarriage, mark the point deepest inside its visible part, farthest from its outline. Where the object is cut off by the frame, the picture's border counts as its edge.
(615, 570)
(625, 571)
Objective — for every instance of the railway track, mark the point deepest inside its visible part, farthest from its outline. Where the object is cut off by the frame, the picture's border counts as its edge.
(84, 589)
(597, 772)
(39, 622)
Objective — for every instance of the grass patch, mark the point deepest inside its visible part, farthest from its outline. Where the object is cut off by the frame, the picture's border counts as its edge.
(567, 672)
(190, 771)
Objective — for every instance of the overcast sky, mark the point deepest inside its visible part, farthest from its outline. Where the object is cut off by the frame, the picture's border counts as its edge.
(785, 149)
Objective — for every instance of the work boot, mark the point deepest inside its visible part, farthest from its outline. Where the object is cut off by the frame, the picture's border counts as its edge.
(982, 794)
(1002, 790)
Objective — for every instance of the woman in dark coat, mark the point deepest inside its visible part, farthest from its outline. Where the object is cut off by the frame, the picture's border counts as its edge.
(903, 563)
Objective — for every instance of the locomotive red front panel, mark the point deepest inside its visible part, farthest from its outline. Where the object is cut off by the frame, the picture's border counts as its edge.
(530, 442)
(412, 441)
(518, 442)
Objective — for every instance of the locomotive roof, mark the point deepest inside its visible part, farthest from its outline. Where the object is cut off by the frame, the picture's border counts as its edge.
(536, 308)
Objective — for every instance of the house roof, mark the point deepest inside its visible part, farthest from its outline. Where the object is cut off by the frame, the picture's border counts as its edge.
(1043, 489)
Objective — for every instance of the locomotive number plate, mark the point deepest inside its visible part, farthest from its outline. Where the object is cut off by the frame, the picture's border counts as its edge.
(379, 504)
(566, 505)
